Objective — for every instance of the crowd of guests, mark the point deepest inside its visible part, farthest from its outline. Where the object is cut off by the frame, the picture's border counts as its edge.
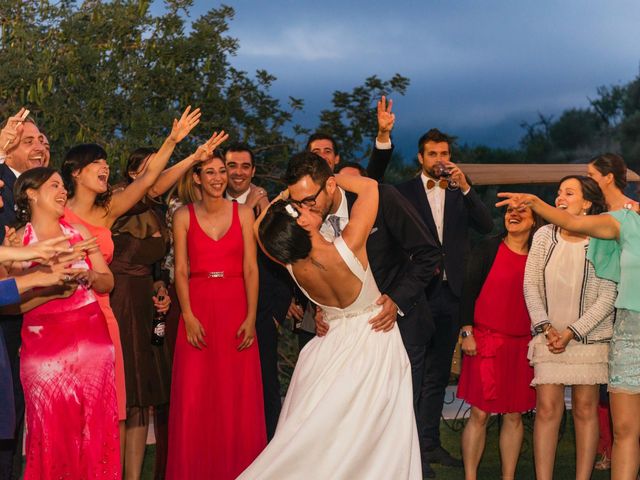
(88, 268)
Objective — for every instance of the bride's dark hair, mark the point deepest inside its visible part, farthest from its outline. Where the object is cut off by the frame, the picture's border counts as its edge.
(281, 236)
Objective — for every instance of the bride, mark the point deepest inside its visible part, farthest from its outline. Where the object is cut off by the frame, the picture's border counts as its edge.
(348, 412)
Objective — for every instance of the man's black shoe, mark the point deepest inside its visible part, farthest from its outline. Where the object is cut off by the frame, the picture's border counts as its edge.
(441, 456)
(427, 471)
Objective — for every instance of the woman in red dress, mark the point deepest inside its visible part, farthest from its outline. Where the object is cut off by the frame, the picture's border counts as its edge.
(216, 417)
(495, 322)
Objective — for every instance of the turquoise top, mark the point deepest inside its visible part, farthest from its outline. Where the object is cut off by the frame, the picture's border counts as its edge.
(619, 260)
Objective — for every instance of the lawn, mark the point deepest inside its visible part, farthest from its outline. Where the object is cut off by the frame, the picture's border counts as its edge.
(490, 466)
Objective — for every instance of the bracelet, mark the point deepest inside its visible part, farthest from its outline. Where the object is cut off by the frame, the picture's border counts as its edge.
(545, 331)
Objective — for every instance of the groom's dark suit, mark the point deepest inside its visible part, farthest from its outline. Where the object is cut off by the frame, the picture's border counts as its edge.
(403, 256)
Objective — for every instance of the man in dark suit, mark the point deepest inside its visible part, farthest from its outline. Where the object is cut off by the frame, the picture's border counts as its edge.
(448, 205)
(25, 151)
(274, 290)
(403, 255)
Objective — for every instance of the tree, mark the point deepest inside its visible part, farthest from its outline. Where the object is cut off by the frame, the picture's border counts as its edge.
(352, 121)
(115, 74)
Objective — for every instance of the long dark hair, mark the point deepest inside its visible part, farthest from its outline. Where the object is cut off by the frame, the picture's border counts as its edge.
(591, 192)
(33, 179)
(76, 159)
(135, 160)
(612, 163)
(281, 236)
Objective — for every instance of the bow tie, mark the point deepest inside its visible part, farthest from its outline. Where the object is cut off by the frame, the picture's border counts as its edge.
(442, 183)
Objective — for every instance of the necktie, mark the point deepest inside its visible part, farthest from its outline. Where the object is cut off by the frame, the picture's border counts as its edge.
(334, 221)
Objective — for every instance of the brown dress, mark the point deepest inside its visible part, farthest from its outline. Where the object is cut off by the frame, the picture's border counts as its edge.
(138, 250)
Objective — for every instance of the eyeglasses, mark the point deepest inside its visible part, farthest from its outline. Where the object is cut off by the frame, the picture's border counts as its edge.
(308, 201)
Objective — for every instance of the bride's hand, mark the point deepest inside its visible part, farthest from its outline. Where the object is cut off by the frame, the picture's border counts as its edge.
(195, 331)
(248, 333)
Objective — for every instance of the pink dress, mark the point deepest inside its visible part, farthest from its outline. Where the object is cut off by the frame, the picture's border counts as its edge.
(216, 416)
(67, 372)
(105, 244)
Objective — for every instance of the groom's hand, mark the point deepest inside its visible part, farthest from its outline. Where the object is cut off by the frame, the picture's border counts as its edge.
(322, 327)
(387, 317)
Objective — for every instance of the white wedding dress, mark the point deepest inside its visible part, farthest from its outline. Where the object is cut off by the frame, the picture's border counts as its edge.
(348, 413)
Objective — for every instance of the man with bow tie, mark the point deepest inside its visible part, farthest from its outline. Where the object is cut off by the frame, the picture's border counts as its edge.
(449, 206)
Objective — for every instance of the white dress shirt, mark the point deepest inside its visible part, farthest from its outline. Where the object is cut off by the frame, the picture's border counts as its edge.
(326, 230)
(241, 199)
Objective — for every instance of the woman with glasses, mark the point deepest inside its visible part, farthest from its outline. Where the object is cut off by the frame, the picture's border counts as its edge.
(216, 414)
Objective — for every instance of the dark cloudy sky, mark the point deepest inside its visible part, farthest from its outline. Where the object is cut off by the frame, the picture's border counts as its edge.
(478, 68)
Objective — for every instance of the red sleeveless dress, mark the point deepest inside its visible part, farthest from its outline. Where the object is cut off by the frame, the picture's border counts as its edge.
(216, 419)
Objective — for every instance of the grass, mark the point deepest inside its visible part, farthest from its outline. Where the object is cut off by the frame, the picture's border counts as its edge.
(490, 465)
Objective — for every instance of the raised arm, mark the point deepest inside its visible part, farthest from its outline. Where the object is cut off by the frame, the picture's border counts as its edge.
(123, 200)
(364, 211)
(171, 175)
(597, 226)
(380, 157)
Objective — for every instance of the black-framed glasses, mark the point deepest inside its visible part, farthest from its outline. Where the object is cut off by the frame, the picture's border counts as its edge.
(308, 201)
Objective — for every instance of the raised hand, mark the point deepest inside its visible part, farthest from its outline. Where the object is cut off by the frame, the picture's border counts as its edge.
(386, 119)
(12, 132)
(516, 200)
(247, 332)
(205, 150)
(457, 177)
(187, 122)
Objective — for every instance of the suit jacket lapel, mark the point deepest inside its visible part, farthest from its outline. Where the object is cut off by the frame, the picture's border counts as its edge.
(450, 209)
(424, 208)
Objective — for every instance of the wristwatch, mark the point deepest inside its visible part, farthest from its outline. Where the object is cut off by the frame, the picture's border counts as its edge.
(466, 333)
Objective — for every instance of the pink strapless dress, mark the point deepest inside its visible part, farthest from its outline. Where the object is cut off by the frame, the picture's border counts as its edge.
(67, 372)
(105, 243)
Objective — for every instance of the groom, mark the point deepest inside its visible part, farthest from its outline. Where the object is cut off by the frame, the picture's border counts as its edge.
(402, 253)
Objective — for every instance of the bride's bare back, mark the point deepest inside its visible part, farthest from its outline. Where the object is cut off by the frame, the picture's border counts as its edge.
(327, 278)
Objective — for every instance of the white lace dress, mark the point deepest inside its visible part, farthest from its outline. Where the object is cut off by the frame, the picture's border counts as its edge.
(348, 413)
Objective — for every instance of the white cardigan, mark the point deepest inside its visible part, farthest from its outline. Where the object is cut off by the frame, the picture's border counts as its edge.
(597, 295)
